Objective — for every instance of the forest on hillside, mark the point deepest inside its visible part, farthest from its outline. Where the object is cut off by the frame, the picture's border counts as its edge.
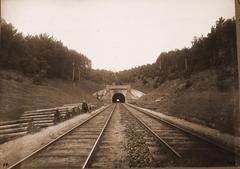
(217, 50)
(44, 56)
(40, 53)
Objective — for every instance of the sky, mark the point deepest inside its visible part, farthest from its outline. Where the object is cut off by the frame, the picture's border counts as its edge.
(118, 34)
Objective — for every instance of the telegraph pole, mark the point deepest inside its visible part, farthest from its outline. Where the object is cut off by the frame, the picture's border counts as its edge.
(73, 73)
(186, 63)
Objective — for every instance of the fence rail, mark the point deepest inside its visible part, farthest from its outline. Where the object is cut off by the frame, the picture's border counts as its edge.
(38, 119)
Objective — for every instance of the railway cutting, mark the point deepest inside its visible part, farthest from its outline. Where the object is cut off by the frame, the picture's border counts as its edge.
(122, 136)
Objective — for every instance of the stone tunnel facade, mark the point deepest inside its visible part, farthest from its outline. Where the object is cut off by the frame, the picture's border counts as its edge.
(118, 93)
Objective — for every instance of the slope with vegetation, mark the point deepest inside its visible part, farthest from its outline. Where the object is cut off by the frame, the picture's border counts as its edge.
(197, 99)
(18, 94)
(42, 56)
(217, 50)
(36, 72)
(32, 55)
(199, 83)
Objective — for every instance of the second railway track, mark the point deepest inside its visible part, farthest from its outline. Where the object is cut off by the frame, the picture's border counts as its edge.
(193, 150)
(122, 136)
(73, 149)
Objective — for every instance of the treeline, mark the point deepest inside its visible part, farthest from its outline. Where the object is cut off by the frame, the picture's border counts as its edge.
(40, 54)
(217, 50)
(102, 76)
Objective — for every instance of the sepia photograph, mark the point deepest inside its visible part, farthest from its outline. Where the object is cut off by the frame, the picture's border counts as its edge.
(119, 84)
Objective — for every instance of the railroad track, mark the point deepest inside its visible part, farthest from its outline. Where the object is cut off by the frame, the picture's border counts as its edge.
(191, 149)
(110, 151)
(151, 142)
(74, 148)
(144, 148)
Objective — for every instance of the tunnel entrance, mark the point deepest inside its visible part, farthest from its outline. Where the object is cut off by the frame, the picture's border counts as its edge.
(118, 98)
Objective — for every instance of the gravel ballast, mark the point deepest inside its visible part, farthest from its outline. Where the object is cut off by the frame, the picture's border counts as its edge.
(224, 139)
(143, 150)
(15, 150)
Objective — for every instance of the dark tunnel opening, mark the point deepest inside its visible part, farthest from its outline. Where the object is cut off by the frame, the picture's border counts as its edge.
(118, 98)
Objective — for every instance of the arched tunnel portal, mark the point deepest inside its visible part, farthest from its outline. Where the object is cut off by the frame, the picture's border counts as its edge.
(118, 98)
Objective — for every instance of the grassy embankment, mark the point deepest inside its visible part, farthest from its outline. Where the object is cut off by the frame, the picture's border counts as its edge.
(200, 102)
(18, 94)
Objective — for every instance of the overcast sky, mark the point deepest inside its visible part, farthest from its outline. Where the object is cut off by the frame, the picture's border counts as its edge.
(118, 34)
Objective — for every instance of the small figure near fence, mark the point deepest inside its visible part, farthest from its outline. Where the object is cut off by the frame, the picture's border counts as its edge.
(57, 116)
(74, 111)
(68, 114)
(78, 109)
(100, 99)
(84, 107)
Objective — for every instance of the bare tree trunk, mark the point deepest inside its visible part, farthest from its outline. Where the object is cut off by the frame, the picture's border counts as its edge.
(73, 73)
(186, 64)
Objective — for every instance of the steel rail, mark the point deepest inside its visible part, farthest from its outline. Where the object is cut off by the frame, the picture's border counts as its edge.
(90, 155)
(155, 134)
(221, 147)
(56, 139)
